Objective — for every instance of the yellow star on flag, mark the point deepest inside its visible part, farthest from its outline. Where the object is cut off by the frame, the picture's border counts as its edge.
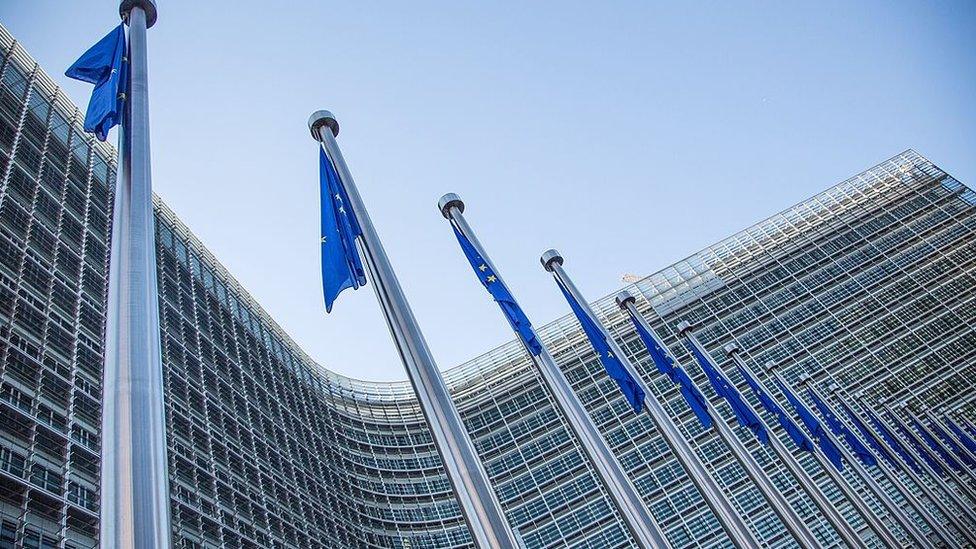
(491, 278)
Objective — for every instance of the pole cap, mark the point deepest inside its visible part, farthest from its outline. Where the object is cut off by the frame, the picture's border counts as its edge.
(832, 387)
(683, 327)
(624, 297)
(804, 379)
(549, 257)
(322, 118)
(448, 201)
(732, 348)
(148, 6)
(771, 365)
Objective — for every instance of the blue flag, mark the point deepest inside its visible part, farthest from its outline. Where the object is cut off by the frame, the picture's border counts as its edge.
(615, 369)
(106, 66)
(520, 323)
(814, 426)
(840, 429)
(935, 447)
(868, 435)
(893, 442)
(953, 445)
(967, 440)
(341, 265)
(919, 449)
(666, 365)
(773, 407)
(744, 413)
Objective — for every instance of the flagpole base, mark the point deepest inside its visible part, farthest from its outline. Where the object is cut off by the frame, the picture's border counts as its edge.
(624, 297)
(148, 6)
(448, 201)
(549, 257)
(322, 118)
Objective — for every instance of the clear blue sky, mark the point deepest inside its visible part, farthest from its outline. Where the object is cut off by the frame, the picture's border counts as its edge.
(627, 135)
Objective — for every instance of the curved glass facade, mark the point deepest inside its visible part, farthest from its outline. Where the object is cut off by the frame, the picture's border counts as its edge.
(869, 283)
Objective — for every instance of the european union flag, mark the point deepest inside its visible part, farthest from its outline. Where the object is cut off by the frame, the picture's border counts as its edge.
(935, 447)
(952, 444)
(744, 413)
(926, 456)
(840, 429)
(813, 425)
(868, 435)
(341, 265)
(519, 322)
(773, 407)
(666, 365)
(893, 442)
(615, 369)
(967, 440)
(106, 66)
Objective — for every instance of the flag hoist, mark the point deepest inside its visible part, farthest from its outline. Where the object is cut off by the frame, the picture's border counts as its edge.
(623, 372)
(349, 242)
(611, 474)
(134, 484)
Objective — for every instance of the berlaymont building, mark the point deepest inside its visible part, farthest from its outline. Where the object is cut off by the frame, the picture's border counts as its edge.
(869, 284)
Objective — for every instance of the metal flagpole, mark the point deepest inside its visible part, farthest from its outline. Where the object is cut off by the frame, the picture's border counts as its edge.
(949, 451)
(894, 510)
(876, 524)
(950, 515)
(726, 513)
(829, 511)
(951, 434)
(960, 482)
(960, 504)
(134, 483)
(711, 492)
(479, 504)
(777, 501)
(628, 502)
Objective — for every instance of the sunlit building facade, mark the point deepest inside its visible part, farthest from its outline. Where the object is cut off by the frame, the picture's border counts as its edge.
(870, 283)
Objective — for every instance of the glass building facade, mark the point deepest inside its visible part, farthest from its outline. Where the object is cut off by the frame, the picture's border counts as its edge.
(869, 284)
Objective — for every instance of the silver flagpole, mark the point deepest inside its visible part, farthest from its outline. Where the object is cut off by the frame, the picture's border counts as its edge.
(723, 508)
(909, 526)
(960, 503)
(134, 484)
(783, 509)
(628, 502)
(876, 524)
(951, 434)
(829, 511)
(945, 448)
(960, 482)
(711, 492)
(948, 513)
(479, 504)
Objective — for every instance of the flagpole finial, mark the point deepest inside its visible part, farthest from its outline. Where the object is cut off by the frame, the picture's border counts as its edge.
(319, 119)
(771, 366)
(804, 379)
(683, 327)
(448, 201)
(549, 257)
(148, 6)
(833, 388)
(624, 297)
(732, 348)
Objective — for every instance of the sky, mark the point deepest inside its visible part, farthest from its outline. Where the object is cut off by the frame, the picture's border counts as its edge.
(628, 135)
